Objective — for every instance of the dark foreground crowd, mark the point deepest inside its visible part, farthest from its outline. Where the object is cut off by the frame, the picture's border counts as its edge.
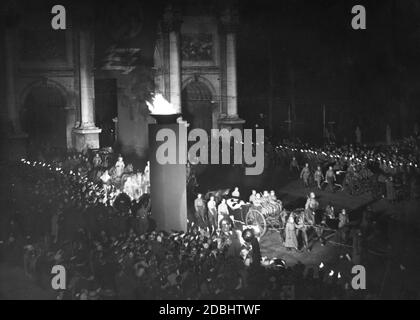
(114, 252)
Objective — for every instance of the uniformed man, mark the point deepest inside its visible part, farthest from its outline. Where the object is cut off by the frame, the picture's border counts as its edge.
(294, 166)
(305, 174)
(318, 177)
(330, 179)
(200, 208)
(310, 208)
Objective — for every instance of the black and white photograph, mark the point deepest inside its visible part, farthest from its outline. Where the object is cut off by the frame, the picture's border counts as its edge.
(209, 155)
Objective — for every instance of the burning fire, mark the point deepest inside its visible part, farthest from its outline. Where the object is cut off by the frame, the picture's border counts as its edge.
(160, 106)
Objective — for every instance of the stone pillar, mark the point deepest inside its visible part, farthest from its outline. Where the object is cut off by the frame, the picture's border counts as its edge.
(16, 137)
(171, 26)
(232, 94)
(229, 22)
(175, 70)
(87, 134)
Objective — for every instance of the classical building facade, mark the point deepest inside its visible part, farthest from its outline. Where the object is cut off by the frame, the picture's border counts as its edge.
(85, 87)
(195, 64)
(49, 81)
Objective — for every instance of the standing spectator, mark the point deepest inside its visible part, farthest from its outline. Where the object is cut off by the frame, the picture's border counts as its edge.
(200, 208)
(291, 240)
(301, 228)
(223, 211)
(212, 213)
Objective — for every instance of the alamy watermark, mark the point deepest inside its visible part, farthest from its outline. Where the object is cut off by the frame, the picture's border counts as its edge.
(245, 150)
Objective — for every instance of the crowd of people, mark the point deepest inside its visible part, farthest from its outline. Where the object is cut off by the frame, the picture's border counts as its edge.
(384, 170)
(111, 249)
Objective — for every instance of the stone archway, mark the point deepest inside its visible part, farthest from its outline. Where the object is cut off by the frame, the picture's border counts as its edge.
(43, 118)
(197, 105)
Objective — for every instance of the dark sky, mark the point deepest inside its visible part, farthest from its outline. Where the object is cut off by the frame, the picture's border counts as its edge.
(365, 77)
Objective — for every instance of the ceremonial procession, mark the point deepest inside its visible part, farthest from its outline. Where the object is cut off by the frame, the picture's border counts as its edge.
(209, 150)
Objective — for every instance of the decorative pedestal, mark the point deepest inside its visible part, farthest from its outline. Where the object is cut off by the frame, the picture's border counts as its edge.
(168, 183)
(85, 139)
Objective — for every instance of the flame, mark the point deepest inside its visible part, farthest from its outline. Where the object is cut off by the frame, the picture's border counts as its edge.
(160, 106)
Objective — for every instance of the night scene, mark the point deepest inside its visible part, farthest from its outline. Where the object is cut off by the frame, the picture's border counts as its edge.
(230, 151)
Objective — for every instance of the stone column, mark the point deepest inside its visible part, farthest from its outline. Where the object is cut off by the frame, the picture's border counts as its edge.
(87, 134)
(171, 26)
(175, 70)
(229, 22)
(232, 94)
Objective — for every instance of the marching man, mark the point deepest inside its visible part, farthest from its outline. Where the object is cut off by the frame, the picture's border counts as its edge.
(330, 179)
(305, 173)
(318, 176)
(294, 166)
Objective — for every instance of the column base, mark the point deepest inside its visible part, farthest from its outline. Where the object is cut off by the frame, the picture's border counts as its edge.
(231, 122)
(86, 138)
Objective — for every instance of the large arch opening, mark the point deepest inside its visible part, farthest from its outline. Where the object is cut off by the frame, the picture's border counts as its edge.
(197, 107)
(43, 118)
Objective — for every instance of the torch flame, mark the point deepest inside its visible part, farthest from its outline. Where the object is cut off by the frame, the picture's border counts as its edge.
(160, 106)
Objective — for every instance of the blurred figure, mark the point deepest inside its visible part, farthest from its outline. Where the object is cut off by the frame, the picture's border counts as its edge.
(343, 221)
(305, 174)
(291, 240)
(330, 179)
(294, 166)
(318, 177)
(200, 208)
(223, 211)
(212, 213)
